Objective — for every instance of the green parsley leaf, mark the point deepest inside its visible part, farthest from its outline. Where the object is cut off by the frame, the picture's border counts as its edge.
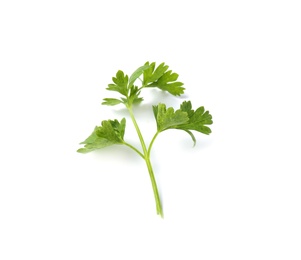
(110, 132)
(121, 83)
(111, 101)
(150, 75)
(124, 86)
(198, 119)
(162, 78)
(137, 74)
(168, 118)
(183, 119)
(134, 96)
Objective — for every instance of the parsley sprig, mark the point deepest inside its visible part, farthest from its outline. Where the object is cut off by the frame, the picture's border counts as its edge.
(111, 132)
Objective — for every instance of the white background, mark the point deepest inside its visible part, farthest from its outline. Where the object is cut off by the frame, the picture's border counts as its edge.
(235, 195)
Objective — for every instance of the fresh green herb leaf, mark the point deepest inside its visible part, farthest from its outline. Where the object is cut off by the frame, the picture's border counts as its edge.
(110, 132)
(111, 101)
(121, 83)
(197, 119)
(94, 142)
(150, 75)
(92, 138)
(184, 119)
(168, 118)
(137, 74)
(163, 79)
(134, 96)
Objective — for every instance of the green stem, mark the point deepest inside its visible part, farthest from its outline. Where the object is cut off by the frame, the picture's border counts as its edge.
(155, 189)
(148, 163)
(151, 144)
(134, 148)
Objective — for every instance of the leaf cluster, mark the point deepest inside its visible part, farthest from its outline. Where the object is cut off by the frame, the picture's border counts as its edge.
(110, 132)
(184, 118)
(150, 76)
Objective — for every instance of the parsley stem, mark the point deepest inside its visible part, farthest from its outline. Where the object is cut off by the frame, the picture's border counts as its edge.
(154, 185)
(134, 148)
(151, 144)
(148, 163)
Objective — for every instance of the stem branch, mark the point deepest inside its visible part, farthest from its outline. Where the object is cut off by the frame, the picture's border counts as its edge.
(134, 148)
(151, 144)
(146, 157)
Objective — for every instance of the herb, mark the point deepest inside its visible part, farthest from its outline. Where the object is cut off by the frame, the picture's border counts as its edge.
(112, 132)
